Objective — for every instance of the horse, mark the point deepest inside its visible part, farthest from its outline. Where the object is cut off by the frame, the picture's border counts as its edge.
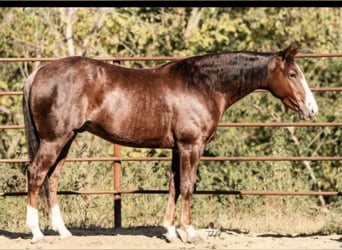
(176, 105)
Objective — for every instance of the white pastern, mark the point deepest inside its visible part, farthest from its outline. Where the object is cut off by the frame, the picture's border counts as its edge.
(32, 222)
(191, 231)
(58, 223)
(171, 232)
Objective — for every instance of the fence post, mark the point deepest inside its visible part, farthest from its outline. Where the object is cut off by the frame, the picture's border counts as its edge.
(117, 180)
(117, 177)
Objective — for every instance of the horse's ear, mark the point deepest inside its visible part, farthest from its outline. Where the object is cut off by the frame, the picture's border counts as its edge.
(290, 51)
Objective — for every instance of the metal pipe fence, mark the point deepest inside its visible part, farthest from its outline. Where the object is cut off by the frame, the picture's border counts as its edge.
(117, 158)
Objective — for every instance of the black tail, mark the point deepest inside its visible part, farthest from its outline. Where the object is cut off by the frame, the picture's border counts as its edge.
(32, 137)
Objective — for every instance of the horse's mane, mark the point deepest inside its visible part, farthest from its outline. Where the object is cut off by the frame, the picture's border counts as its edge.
(222, 71)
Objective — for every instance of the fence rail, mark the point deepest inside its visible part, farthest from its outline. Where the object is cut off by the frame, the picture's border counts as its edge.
(203, 192)
(203, 158)
(117, 158)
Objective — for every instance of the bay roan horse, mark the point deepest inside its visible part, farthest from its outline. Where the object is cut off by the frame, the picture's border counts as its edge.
(176, 105)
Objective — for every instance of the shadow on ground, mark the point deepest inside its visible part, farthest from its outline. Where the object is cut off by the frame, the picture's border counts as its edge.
(150, 231)
(157, 232)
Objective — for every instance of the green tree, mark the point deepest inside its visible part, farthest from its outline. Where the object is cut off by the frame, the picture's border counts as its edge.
(59, 32)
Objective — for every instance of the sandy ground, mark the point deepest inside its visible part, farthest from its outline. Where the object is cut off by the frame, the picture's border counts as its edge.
(152, 238)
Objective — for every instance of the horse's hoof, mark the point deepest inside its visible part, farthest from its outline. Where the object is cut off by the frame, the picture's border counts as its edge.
(195, 239)
(65, 235)
(192, 236)
(170, 238)
(37, 238)
(172, 233)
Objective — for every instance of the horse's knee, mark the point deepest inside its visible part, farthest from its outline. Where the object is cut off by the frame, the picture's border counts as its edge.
(187, 189)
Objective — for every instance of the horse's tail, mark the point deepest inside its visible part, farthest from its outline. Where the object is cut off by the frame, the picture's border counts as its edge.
(32, 137)
(30, 129)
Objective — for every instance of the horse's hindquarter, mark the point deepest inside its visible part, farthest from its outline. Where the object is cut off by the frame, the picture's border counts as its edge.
(57, 100)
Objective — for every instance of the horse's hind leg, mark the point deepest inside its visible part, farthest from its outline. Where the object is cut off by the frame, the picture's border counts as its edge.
(56, 217)
(44, 159)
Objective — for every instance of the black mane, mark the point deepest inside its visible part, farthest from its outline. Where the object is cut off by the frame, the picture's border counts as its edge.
(223, 71)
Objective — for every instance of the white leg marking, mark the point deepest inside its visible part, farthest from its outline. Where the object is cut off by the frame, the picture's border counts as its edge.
(171, 232)
(32, 222)
(191, 231)
(58, 223)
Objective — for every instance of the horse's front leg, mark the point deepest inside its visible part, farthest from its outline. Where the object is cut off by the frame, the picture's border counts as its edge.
(56, 217)
(189, 160)
(169, 216)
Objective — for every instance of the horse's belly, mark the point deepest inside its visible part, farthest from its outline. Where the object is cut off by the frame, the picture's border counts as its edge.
(133, 133)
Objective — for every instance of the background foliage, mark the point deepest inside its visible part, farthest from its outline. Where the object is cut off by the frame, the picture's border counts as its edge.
(59, 32)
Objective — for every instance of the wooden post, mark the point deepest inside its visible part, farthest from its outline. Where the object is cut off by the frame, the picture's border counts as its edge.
(117, 177)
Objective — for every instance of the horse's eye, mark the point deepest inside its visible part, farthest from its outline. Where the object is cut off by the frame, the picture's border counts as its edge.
(292, 75)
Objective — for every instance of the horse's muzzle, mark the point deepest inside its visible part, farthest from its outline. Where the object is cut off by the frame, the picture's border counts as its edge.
(308, 112)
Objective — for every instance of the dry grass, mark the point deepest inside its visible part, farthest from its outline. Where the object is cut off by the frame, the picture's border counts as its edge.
(274, 217)
(293, 224)
(278, 217)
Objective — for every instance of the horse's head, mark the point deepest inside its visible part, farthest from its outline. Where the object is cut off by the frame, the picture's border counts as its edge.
(287, 82)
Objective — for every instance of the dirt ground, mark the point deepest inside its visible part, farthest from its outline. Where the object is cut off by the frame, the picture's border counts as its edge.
(152, 238)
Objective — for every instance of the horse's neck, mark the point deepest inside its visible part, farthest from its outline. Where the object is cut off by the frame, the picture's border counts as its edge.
(241, 76)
